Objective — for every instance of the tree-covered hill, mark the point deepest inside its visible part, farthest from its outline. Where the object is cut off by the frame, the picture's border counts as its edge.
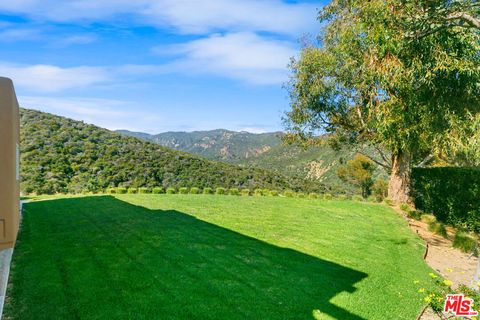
(63, 155)
(220, 144)
(316, 165)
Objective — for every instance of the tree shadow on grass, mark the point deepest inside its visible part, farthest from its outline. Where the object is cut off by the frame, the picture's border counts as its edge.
(102, 258)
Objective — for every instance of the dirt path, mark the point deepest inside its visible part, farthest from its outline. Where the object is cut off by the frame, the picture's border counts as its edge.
(451, 263)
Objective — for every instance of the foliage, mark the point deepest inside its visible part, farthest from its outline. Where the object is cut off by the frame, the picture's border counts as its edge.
(171, 190)
(413, 214)
(357, 198)
(207, 190)
(438, 228)
(301, 195)
(121, 190)
(183, 190)
(194, 190)
(111, 190)
(384, 74)
(59, 155)
(220, 190)
(258, 192)
(245, 192)
(451, 194)
(288, 193)
(465, 242)
(144, 190)
(327, 196)
(404, 207)
(274, 193)
(158, 190)
(359, 172)
(132, 190)
(233, 192)
(380, 189)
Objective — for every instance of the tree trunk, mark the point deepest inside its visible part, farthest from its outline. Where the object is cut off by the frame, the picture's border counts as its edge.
(399, 185)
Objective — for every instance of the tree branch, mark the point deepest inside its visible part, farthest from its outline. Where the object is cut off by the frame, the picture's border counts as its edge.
(427, 159)
(385, 166)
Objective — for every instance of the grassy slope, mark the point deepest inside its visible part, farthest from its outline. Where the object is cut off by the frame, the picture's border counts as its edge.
(213, 257)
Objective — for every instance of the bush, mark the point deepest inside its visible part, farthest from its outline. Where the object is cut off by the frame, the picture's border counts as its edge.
(111, 190)
(404, 207)
(300, 195)
(132, 190)
(258, 192)
(380, 189)
(265, 192)
(341, 197)
(357, 198)
(171, 191)
(438, 228)
(121, 190)
(451, 194)
(313, 195)
(194, 190)
(220, 191)
(414, 214)
(288, 194)
(207, 190)
(245, 192)
(373, 198)
(234, 192)
(273, 193)
(183, 190)
(144, 190)
(157, 190)
(465, 242)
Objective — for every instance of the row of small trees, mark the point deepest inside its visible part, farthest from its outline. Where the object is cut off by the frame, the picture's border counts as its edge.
(238, 192)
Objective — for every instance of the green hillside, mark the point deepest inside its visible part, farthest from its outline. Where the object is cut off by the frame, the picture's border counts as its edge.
(220, 144)
(318, 165)
(63, 155)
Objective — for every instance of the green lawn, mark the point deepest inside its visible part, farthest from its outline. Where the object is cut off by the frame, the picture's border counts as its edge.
(213, 257)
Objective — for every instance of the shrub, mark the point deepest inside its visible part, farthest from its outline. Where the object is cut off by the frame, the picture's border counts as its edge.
(194, 190)
(144, 190)
(157, 190)
(464, 242)
(327, 196)
(342, 197)
(111, 190)
(245, 192)
(414, 214)
(288, 193)
(233, 192)
(274, 193)
(207, 190)
(404, 207)
(265, 192)
(121, 190)
(313, 195)
(357, 198)
(451, 194)
(372, 198)
(220, 190)
(428, 218)
(171, 190)
(258, 192)
(300, 195)
(183, 190)
(438, 228)
(380, 189)
(132, 190)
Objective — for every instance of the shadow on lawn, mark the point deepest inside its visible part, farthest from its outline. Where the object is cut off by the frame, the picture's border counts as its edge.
(99, 257)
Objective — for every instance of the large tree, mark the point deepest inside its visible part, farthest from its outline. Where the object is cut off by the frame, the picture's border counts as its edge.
(392, 74)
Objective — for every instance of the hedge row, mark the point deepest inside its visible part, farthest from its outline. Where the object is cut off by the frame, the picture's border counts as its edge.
(451, 194)
(224, 191)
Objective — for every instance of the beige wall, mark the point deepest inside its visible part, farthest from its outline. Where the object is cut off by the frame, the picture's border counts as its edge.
(9, 164)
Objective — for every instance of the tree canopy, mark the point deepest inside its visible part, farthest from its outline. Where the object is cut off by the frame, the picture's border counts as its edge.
(394, 74)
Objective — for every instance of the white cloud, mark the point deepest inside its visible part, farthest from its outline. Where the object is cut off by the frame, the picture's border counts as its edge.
(187, 16)
(19, 34)
(245, 56)
(76, 39)
(49, 78)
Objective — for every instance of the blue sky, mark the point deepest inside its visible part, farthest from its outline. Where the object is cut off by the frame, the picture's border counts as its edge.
(155, 65)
